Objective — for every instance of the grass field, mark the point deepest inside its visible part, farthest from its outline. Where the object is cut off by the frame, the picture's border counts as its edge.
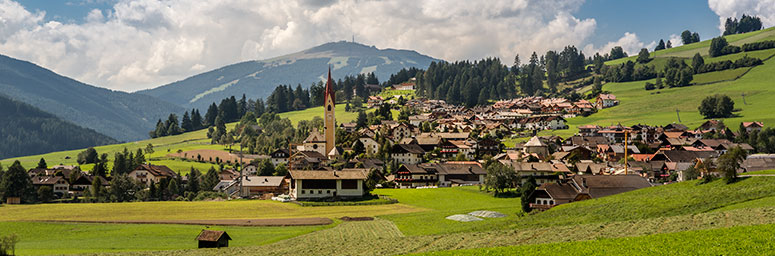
(387, 94)
(198, 210)
(658, 210)
(444, 202)
(38, 238)
(669, 200)
(307, 114)
(760, 172)
(723, 241)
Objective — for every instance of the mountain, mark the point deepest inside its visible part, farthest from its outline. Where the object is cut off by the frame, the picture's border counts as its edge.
(259, 78)
(27, 130)
(120, 115)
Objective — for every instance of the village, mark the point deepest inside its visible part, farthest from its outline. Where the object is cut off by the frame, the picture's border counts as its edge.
(445, 145)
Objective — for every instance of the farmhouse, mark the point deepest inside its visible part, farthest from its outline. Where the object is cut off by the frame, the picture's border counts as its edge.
(258, 185)
(347, 183)
(407, 153)
(460, 173)
(279, 156)
(606, 101)
(414, 175)
(147, 173)
(58, 184)
(581, 187)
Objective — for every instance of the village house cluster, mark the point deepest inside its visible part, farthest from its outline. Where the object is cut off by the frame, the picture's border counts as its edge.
(444, 145)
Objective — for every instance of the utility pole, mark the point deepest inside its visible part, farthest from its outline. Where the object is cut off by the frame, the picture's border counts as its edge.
(679, 115)
(241, 168)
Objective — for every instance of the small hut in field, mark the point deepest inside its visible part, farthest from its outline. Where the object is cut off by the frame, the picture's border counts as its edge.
(213, 239)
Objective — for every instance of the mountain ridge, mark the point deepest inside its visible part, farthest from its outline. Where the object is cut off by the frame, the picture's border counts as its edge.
(26, 130)
(120, 115)
(257, 78)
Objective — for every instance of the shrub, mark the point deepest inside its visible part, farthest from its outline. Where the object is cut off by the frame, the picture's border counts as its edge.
(650, 86)
(716, 106)
(207, 195)
(763, 45)
(719, 47)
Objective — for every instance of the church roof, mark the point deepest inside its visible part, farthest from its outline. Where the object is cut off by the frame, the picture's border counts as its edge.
(535, 142)
(315, 137)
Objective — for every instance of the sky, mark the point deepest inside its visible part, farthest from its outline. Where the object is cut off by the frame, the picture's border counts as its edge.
(132, 45)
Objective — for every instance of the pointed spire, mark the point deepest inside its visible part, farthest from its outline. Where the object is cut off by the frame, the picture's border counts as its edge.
(329, 87)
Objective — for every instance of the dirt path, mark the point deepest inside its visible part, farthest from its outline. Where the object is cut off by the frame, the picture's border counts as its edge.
(226, 222)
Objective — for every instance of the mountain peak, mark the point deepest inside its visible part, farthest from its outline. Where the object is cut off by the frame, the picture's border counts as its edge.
(257, 79)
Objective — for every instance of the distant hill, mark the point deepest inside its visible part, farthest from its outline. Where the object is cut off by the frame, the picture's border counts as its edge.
(27, 130)
(120, 115)
(259, 78)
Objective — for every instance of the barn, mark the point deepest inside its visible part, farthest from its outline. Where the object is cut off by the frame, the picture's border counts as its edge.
(213, 239)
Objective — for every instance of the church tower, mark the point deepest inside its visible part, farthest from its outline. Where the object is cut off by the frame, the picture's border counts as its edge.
(329, 105)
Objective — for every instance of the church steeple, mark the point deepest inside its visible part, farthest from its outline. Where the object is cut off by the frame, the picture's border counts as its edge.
(329, 88)
(329, 106)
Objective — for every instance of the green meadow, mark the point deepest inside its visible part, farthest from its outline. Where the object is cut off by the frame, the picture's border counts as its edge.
(723, 241)
(42, 238)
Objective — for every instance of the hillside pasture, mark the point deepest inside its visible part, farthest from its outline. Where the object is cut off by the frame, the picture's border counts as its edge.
(681, 198)
(721, 241)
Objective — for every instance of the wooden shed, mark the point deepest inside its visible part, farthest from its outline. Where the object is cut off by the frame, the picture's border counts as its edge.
(213, 239)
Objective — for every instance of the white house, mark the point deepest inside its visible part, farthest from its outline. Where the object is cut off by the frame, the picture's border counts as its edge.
(407, 153)
(348, 183)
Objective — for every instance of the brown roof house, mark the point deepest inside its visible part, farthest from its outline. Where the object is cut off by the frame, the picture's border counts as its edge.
(213, 239)
(582, 187)
(311, 185)
(148, 173)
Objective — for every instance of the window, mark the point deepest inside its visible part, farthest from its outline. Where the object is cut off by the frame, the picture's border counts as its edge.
(302, 191)
(349, 184)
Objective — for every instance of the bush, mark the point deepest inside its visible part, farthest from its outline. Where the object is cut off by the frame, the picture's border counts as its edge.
(716, 106)
(8, 244)
(208, 195)
(719, 47)
(763, 45)
(45, 194)
(650, 86)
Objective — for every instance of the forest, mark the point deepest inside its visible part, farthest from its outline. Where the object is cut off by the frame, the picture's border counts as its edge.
(27, 130)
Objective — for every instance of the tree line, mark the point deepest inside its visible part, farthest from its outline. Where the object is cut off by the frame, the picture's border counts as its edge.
(744, 25)
(284, 98)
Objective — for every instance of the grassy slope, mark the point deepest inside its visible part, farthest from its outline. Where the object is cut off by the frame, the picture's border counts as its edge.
(670, 200)
(307, 114)
(49, 238)
(444, 202)
(722, 241)
(658, 107)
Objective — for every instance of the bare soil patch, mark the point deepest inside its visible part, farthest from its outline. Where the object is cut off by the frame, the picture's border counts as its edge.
(210, 155)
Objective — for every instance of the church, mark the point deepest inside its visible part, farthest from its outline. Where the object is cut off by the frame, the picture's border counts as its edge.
(325, 182)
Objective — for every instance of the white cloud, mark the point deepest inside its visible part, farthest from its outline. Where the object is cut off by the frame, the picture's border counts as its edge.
(629, 42)
(145, 43)
(675, 40)
(764, 9)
